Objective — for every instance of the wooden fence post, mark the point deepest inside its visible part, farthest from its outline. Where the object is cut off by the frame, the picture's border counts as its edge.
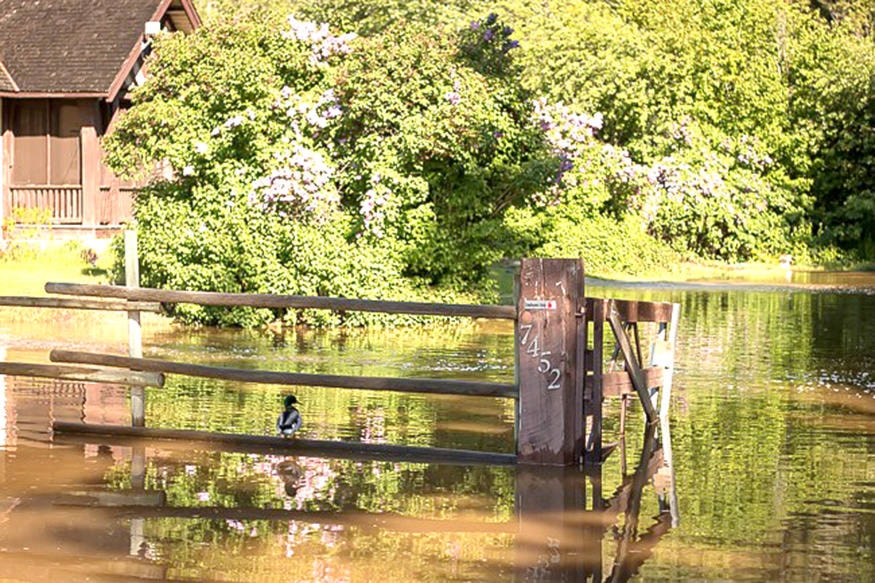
(90, 151)
(550, 410)
(135, 335)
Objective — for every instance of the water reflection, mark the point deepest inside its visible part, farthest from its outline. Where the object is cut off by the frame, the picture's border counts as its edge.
(773, 426)
(563, 531)
(211, 515)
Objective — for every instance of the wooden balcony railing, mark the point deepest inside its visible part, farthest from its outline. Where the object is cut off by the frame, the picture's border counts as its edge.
(64, 204)
(64, 201)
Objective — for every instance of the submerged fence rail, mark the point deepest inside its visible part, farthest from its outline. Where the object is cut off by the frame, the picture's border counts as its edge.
(79, 304)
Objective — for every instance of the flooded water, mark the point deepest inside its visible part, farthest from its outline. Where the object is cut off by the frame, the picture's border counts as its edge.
(772, 440)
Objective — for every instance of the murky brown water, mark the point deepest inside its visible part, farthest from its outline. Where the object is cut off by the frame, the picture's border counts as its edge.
(772, 437)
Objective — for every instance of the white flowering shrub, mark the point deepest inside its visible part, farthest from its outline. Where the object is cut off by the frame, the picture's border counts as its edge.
(724, 202)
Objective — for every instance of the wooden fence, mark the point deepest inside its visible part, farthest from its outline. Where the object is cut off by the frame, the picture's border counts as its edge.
(562, 372)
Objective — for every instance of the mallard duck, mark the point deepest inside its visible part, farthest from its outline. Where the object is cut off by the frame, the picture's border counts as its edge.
(289, 420)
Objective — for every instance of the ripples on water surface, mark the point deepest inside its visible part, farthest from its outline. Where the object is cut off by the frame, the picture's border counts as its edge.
(773, 432)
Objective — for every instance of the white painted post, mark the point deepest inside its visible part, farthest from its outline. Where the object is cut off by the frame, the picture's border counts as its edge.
(669, 363)
(668, 456)
(138, 528)
(135, 335)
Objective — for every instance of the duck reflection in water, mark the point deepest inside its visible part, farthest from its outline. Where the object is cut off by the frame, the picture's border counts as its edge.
(289, 420)
(290, 473)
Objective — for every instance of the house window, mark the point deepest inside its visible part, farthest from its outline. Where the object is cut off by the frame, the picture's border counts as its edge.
(30, 127)
(46, 147)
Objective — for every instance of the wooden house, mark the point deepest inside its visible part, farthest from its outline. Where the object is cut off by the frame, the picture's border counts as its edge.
(66, 71)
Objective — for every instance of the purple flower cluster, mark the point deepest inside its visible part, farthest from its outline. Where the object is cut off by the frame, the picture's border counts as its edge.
(492, 32)
(681, 133)
(300, 186)
(233, 122)
(372, 207)
(571, 135)
(748, 154)
(678, 183)
(323, 43)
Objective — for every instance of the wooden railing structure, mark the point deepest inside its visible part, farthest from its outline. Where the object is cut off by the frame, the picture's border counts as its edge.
(64, 201)
(65, 204)
(114, 204)
(560, 382)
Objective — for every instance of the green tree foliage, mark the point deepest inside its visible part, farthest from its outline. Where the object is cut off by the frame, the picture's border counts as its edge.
(427, 153)
(788, 78)
(793, 83)
(299, 161)
(833, 111)
(440, 144)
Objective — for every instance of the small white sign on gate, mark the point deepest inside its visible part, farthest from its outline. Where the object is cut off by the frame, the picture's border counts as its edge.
(540, 305)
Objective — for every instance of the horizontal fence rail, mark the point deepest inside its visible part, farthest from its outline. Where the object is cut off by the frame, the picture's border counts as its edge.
(619, 383)
(407, 385)
(265, 443)
(632, 311)
(284, 301)
(79, 304)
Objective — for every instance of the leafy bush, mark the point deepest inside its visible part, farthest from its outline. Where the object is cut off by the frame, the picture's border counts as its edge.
(608, 245)
(439, 145)
(300, 161)
(728, 201)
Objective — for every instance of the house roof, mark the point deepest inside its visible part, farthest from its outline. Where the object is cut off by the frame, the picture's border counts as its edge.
(76, 46)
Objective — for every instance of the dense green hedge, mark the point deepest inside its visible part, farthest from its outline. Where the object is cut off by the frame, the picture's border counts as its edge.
(404, 162)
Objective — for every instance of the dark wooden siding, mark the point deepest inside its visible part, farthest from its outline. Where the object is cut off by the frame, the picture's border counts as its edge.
(65, 156)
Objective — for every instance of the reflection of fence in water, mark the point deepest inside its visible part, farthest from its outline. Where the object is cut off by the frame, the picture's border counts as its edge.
(567, 529)
(570, 524)
(565, 516)
(31, 405)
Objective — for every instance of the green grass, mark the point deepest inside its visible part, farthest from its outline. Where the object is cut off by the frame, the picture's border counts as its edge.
(25, 269)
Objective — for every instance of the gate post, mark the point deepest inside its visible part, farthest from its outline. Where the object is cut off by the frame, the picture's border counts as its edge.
(135, 335)
(550, 419)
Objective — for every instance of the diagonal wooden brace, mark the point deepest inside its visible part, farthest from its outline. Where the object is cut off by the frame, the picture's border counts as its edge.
(633, 367)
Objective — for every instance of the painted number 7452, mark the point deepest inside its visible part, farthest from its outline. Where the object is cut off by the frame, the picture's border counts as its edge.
(531, 343)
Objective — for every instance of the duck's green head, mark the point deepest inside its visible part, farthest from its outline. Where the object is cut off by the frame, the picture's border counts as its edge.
(289, 401)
